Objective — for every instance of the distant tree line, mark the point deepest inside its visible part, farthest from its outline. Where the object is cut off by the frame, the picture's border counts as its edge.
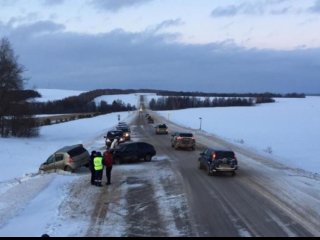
(252, 95)
(173, 103)
(85, 102)
(79, 104)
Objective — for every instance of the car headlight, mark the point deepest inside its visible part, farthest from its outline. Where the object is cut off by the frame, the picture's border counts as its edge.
(108, 140)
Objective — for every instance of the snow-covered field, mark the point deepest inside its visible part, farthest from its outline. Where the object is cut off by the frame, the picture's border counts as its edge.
(55, 94)
(287, 130)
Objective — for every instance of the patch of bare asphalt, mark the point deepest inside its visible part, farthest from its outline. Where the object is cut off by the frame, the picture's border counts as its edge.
(143, 217)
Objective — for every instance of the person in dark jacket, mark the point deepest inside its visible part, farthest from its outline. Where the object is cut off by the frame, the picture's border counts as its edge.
(98, 168)
(108, 161)
(91, 167)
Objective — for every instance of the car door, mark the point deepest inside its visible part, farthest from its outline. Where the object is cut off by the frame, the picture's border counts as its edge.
(204, 157)
(143, 150)
(59, 161)
(49, 164)
(130, 153)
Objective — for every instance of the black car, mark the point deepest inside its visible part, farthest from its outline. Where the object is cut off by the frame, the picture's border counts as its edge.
(111, 135)
(218, 160)
(133, 152)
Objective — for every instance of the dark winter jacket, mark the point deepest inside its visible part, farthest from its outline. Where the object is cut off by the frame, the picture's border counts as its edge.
(107, 156)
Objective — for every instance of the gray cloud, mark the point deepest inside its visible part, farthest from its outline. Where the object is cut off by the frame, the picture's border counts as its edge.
(166, 24)
(118, 59)
(37, 28)
(116, 5)
(32, 16)
(52, 2)
(315, 8)
(252, 8)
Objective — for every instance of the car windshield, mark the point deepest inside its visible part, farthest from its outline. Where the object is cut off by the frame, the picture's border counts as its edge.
(115, 133)
(162, 126)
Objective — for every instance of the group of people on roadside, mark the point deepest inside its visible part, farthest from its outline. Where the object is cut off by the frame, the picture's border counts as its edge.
(99, 162)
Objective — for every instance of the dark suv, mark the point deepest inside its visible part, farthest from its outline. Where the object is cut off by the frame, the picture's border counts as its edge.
(111, 135)
(133, 152)
(218, 160)
(183, 140)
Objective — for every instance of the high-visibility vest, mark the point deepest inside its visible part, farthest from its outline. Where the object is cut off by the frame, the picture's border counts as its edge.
(98, 163)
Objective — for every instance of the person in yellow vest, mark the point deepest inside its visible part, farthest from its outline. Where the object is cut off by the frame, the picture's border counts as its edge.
(98, 167)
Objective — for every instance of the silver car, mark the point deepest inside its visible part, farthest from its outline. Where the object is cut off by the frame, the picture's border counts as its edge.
(68, 158)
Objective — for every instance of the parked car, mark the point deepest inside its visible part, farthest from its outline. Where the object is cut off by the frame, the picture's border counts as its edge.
(133, 152)
(68, 158)
(111, 135)
(183, 140)
(218, 160)
(161, 129)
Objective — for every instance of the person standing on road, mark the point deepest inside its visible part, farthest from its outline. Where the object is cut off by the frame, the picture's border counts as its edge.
(115, 143)
(91, 166)
(98, 167)
(108, 161)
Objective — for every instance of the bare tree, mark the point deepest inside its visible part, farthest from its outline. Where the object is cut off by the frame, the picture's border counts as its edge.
(12, 81)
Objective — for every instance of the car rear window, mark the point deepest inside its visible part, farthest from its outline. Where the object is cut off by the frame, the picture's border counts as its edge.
(224, 155)
(76, 151)
(186, 135)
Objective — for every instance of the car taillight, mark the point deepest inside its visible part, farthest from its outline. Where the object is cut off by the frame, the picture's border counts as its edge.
(71, 160)
(214, 156)
(179, 138)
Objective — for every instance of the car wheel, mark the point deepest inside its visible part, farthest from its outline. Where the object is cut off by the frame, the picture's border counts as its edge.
(209, 172)
(68, 169)
(200, 165)
(233, 173)
(176, 147)
(147, 158)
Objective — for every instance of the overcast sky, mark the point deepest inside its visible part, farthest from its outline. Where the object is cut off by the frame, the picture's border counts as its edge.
(187, 45)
